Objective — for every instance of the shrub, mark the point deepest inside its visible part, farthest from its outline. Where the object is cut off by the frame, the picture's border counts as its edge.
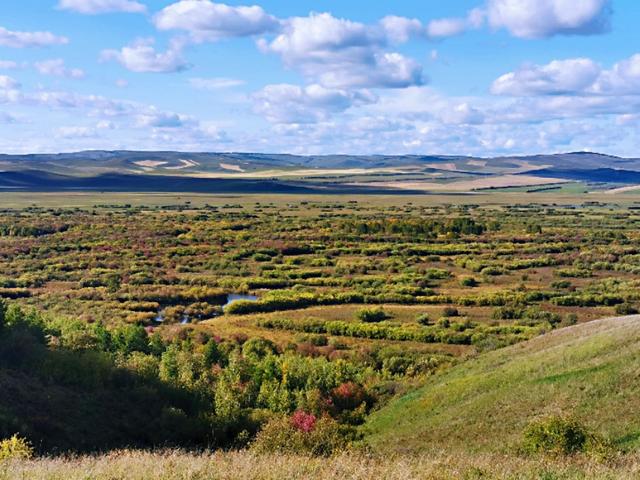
(450, 312)
(423, 319)
(302, 433)
(559, 435)
(15, 448)
(348, 396)
(469, 282)
(258, 347)
(371, 315)
(625, 309)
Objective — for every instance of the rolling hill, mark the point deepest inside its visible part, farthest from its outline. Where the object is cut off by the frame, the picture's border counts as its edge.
(140, 171)
(482, 405)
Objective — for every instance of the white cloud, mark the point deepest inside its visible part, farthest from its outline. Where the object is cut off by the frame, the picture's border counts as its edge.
(217, 83)
(209, 21)
(92, 7)
(15, 39)
(75, 132)
(546, 18)
(450, 27)
(284, 103)
(622, 79)
(339, 53)
(160, 119)
(576, 76)
(141, 57)
(401, 29)
(57, 68)
(8, 83)
(446, 27)
(556, 78)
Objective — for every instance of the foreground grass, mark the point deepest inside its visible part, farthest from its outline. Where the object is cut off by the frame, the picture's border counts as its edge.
(589, 371)
(136, 465)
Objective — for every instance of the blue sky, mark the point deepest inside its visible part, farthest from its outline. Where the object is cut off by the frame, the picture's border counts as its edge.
(479, 77)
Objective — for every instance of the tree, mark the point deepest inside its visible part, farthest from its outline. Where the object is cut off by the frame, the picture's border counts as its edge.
(212, 354)
(132, 338)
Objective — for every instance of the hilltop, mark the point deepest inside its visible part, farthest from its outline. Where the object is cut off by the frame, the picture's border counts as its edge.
(482, 405)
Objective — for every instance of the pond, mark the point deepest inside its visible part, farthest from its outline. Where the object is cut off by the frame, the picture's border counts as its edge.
(234, 297)
(231, 298)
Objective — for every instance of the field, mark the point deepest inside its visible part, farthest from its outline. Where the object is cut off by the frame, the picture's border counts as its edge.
(314, 325)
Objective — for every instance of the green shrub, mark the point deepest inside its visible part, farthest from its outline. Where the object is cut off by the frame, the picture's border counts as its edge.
(626, 309)
(424, 319)
(450, 312)
(469, 282)
(371, 315)
(560, 435)
(15, 448)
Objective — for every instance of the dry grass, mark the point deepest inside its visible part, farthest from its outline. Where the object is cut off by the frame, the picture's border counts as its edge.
(135, 465)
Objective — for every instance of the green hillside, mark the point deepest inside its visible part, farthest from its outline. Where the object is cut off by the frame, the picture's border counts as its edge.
(591, 371)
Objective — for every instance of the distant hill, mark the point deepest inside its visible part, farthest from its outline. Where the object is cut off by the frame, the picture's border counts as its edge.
(483, 404)
(39, 181)
(283, 173)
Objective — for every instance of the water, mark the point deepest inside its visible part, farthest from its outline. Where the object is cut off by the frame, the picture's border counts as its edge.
(234, 297)
(231, 298)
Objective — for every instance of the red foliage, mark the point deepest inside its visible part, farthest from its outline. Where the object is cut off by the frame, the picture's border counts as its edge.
(305, 422)
(348, 396)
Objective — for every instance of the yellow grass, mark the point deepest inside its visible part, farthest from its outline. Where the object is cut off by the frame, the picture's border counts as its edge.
(501, 181)
(136, 465)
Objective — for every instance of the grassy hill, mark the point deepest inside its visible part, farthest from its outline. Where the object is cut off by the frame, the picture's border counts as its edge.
(590, 371)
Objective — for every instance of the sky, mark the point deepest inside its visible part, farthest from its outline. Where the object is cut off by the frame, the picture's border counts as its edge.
(461, 77)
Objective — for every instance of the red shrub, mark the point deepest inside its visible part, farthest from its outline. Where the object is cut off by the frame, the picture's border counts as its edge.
(305, 422)
(348, 396)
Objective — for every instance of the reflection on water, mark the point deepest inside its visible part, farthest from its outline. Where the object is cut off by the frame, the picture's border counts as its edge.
(231, 298)
(234, 297)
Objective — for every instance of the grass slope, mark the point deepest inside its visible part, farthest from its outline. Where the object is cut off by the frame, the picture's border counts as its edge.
(591, 371)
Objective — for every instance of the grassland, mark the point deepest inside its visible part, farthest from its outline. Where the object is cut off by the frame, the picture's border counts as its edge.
(411, 326)
(587, 370)
(135, 465)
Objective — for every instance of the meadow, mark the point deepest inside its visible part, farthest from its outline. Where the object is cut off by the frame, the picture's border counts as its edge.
(314, 326)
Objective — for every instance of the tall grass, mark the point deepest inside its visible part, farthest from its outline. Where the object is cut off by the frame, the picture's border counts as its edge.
(245, 465)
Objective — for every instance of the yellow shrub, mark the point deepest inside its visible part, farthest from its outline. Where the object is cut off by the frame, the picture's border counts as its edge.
(15, 448)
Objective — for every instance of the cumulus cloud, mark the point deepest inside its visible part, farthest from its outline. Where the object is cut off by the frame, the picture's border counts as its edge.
(284, 103)
(142, 57)
(401, 29)
(209, 21)
(622, 79)
(446, 27)
(530, 18)
(556, 78)
(450, 27)
(160, 119)
(16, 39)
(339, 53)
(57, 68)
(577, 76)
(217, 83)
(546, 18)
(93, 7)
